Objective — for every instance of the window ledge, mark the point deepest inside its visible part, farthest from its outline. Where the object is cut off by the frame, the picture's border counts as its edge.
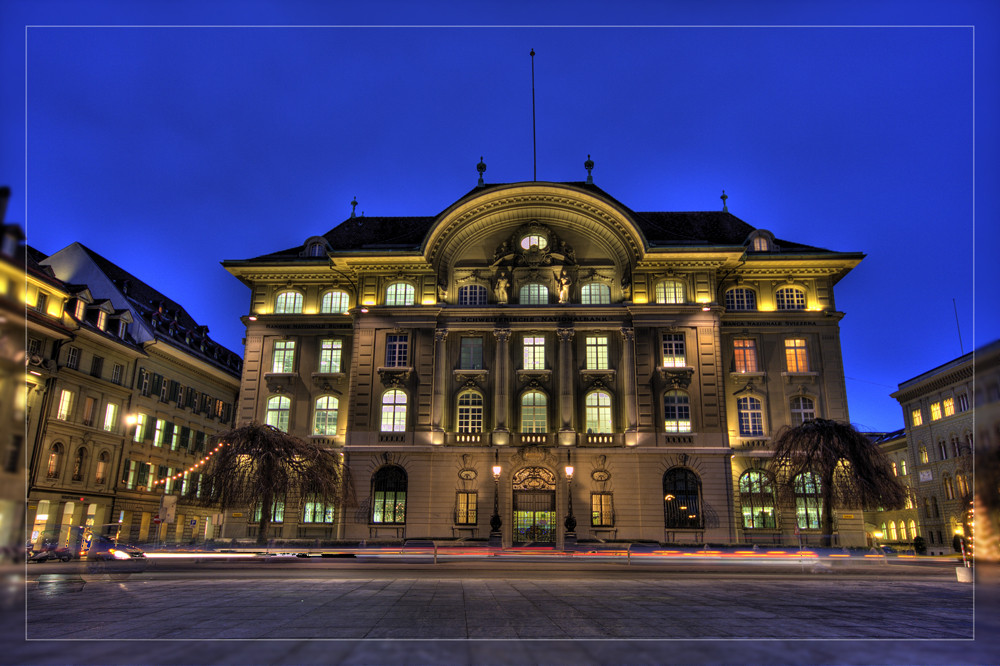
(469, 372)
(527, 375)
(800, 374)
(749, 375)
(800, 377)
(676, 376)
(325, 380)
(394, 376)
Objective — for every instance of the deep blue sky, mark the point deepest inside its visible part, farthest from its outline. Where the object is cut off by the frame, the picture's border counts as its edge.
(169, 149)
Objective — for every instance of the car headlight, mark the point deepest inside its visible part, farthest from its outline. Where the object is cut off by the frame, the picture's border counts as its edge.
(119, 554)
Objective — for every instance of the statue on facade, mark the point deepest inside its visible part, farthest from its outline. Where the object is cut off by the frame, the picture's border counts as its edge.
(564, 285)
(501, 288)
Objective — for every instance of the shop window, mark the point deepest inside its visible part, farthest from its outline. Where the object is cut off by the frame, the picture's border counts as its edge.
(389, 495)
(757, 500)
(808, 500)
(681, 499)
(602, 512)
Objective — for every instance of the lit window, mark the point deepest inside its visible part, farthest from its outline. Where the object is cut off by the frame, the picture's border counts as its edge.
(288, 302)
(325, 416)
(949, 488)
(677, 411)
(534, 240)
(329, 355)
(396, 351)
(89, 411)
(595, 293)
(803, 409)
(745, 355)
(913, 529)
(42, 302)
(935, 411)
(963, 485)
(669, 292)
(393, 411)
(892, 531)
(140, 428)
(534, 353)
(277, 508)
(963, 402)
(471, 354)
(598, 412)
(102, 319)
(949, 406)
(741, 299)
(760, 244)
(470, 412)
(473, 294)
(389, 495)
(924, 458)
(399, 293)
(283, 359)
(110, 417)
(895, 472)
(466, 505)
(73, 358)
(673, 350)
(533, 412)
(54, 462)
(807, 500)
(116, 373)
(796, 356)
(681, 499)
(101, 475)
(751, 417)
(790, 298)
(597, 352)
(902, 530)
(757, 501)
(334, 302)
(602, 512)
(80, 311)
(122, 326)
(315, 510)
(279, 408)
(65, 405)
(902, 466)
(534, 294)
(917, 417)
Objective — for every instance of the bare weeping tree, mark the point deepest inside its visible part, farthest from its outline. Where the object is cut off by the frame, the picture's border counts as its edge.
(852, 470)
(258, 465)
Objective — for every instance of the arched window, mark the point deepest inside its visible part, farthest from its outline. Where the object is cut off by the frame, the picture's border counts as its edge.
(892, 465)
(760, 244)
(334, 302)
(934, 506)
(740, 298)
(279, 408)
(470, 411)
(669, 292)
(389, 495)
(598, 408)
(534, 240)
(325, 415)
(913, 529)
(676, 411)
(393, 411)
(681, 495)
(892, 531)
(790, 298)
(472, 294)
(757, 500)
(399, 293)
(956, 448)
(963, 485)
(942, 450)
(81, 454)
(885, 531)
(315, 250)
(101, 475)
(803, 409)
(595, 293)
(808, 501)
(533, 412)
(902, 466)
(949, 487)
(288, 302)
(751, 417)
(924, 459)
(55, 461)
(534, 294)
(902, 530)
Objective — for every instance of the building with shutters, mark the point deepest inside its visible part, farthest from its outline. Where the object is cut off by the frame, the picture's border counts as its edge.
(627, 368)
(124, 389)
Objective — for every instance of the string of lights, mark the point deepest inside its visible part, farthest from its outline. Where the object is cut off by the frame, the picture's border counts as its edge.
(192, 468)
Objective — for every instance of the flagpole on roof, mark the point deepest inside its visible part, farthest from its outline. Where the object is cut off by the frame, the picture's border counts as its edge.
(534, 152)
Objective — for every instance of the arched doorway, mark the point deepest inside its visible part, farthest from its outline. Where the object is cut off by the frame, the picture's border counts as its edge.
(534, 506)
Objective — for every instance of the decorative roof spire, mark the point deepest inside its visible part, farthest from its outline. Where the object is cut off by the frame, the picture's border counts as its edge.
(589, 166)
(481, 168)
(354, 204)
(724, 197)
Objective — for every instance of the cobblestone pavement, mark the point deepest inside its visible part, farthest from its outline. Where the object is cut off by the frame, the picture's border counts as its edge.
(590, 617)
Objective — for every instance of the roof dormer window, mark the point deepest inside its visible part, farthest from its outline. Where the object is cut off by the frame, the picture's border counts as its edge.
(102, 319)
(760, 244)
(80, 311)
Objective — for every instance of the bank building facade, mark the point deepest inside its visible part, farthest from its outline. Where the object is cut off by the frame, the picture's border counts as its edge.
(540, 363)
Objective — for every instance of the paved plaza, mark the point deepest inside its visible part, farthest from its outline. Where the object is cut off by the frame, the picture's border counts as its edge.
(443, 615)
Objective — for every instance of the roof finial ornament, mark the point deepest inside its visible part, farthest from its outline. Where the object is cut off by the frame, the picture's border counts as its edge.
(354, 204)
(589, 166)
(724, 197)
(481, 168)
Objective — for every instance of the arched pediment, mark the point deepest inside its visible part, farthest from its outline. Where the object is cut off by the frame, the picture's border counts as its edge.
(469, 232)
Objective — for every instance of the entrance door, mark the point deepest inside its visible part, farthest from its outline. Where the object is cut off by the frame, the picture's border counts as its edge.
(534, 506)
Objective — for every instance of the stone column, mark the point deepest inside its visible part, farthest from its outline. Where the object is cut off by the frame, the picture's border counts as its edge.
(440, 382)
(501, 370)
(567, 434)
(628, 386)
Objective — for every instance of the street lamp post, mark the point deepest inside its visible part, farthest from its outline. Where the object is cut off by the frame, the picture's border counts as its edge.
(495, 522)
(570, 522)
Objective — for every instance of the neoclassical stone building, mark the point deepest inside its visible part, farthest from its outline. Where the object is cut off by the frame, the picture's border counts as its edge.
(536, 328)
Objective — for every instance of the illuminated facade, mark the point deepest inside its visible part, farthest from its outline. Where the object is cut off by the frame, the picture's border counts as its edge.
(539, 326)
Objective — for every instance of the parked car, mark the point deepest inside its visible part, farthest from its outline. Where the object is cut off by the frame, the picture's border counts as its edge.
(103, 544)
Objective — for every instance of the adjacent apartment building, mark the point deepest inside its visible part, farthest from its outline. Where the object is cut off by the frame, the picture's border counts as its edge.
(541, 348)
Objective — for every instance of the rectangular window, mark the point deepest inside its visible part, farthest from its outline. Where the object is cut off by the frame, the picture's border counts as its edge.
(317, 511)
(534, 353)
(471, 356)
(673, 350)
(42, 302)
(173, 391)
(73, 358)
(116, 373)
(156, 384)
(601, 510)
(180, 395)
(745, 355)
(917, 417)
(597, 352)
(96, 366)
(963, 402)
(796, 356)
(65, 405)
(175, 436)
(168, 483)
(329, 355)
(396, 351)
(111, 417)
(466, 508)
(935, 411)
(34, 347)
(140, 427)
(102, 319)
(283, 359)
(89, 411)
(143, 382)
(130, 474)
(949, 406)
(158, 432)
